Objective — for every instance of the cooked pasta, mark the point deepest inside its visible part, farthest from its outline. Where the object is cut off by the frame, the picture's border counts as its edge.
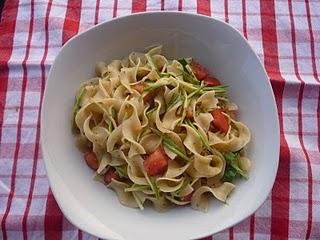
(160, 131)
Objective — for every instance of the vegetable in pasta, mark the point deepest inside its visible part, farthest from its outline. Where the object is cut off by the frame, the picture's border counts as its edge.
(161, 131)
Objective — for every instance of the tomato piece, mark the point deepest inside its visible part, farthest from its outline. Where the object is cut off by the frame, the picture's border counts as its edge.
(186, 198)
(200, 72)
(189, 114)
(91, 160)
(138, 87)
(156, 163)
(109, 175)
(211, 81)
(149, 98)
(220, 121)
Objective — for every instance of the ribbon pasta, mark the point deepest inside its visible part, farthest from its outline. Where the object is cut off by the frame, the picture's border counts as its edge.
(155, 130)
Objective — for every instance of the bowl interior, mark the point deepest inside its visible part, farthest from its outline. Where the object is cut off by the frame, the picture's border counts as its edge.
(96, 209)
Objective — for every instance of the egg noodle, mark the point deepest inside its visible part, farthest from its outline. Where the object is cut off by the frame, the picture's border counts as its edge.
(159, 134)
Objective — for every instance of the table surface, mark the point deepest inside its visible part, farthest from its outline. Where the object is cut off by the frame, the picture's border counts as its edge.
(284, 34)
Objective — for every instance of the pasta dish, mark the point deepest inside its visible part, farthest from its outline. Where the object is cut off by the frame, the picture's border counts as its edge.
(160, 131)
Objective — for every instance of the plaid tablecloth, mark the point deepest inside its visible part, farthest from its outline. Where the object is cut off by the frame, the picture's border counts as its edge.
(285, 35)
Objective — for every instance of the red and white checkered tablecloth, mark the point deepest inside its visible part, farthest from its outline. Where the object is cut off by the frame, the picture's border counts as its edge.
(284, 33)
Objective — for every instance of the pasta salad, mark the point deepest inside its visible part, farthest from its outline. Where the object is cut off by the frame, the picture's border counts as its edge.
(160, 131)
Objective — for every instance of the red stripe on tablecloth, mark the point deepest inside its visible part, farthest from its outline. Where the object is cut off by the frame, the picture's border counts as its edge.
(244, 18)
(203, 7)
(53, 219)
(7, 28)
(252, 220)
(226, 11)
(162, 5)
(72, 19)
(115, 8)
(139, 6)
(180, 5)
(231, 237)
(79, 234)
(18, 138)
(313, 57)
(36, 149)
(279, 210)
(300, 127)
(96, 14)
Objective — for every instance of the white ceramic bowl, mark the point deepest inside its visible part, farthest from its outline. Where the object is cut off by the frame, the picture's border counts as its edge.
(94, 208)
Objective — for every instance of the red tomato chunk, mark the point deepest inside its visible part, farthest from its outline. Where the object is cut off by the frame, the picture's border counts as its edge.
(139, 87)
(211, 81)
(91, 160)
(186, 198)
(220, 121)
(189, 114)
(200, 72)
(109, 175)
(156, 163)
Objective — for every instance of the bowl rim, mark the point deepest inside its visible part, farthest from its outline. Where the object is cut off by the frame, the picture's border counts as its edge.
(50, 173)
